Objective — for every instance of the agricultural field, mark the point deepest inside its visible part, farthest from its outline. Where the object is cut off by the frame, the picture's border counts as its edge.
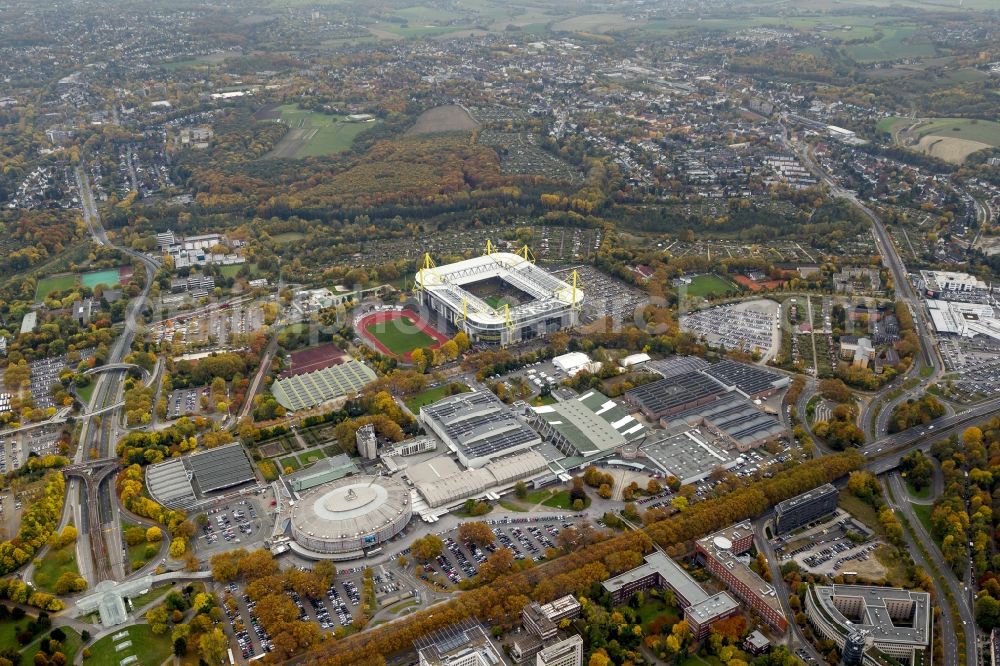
(313, 134)
(949, 139)
(451, 118)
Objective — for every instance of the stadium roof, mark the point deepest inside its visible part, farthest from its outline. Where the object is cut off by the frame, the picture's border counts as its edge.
(219, 468)
(664, 395)
(749, 379)
(313, 388)
(547, 291)
(477, 424)
(591, 423)
(169, 484)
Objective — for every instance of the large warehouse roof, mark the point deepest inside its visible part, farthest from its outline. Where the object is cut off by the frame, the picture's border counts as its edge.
(219, 468)
(477, 424)
(664, 396)
(750, 379)
(591, 423)
(737, 417)
(439, 482)
(313, 388)
(547, 291)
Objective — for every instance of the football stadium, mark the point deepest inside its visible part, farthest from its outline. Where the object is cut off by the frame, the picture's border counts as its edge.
(499, 298)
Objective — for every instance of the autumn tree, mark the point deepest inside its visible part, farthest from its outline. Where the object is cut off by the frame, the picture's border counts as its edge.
(476, 532)
(427, 547)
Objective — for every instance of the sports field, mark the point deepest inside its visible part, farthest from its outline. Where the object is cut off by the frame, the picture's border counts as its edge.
(399, 332)
(313, 134)
(66, 281)
(703, 285)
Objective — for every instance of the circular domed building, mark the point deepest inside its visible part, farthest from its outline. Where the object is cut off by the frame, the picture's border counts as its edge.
(347, 516)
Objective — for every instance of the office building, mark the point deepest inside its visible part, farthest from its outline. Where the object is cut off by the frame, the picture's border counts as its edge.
(805, 508)
(367, 442)
(564, 653)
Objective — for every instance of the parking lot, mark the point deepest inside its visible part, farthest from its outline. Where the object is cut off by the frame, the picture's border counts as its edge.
(185, 402)
(16, 447)
(976, 367)
(222, 327)
(748, 327)
(242, 522)
(45, 373)
(606, 296)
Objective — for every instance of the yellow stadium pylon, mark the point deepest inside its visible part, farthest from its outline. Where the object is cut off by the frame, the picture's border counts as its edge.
(428, 265)
(490, 248)
(573, 302)
(525, 253)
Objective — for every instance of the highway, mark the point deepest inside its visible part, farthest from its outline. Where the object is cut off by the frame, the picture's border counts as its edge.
(99, 505)
(945, 628)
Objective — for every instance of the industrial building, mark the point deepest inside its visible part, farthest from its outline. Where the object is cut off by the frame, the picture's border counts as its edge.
(805, 508)
(720, 553)
(701, 610)
(737, 421)
(964, 320)
(752, 381)
(953, 285)
(690, 454)
(669, 396)
(441, 482)
(477, 427)
(586, 426)
(880, 622)
(498, 298)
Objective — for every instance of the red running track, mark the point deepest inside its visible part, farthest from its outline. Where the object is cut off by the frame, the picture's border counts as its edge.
(385, 316)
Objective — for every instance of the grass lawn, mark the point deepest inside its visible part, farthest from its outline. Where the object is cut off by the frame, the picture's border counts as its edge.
(288, 237)
(512, 506)
(542, 400)
(136, 553)
(56, 562)
(142, 599)
(652, 609)
(985, 131)
(87, 391)
(148, 647)
(398, 340)
(923, 493)
(923, 512)
(860, 510)
(695, 660)
(703, 285)
(53, 283)
(430, 395)
(333, 450)
(311, 457)
(536, 496)
(231, 270)
(561, 501)
(314, 134)
(290, 461)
